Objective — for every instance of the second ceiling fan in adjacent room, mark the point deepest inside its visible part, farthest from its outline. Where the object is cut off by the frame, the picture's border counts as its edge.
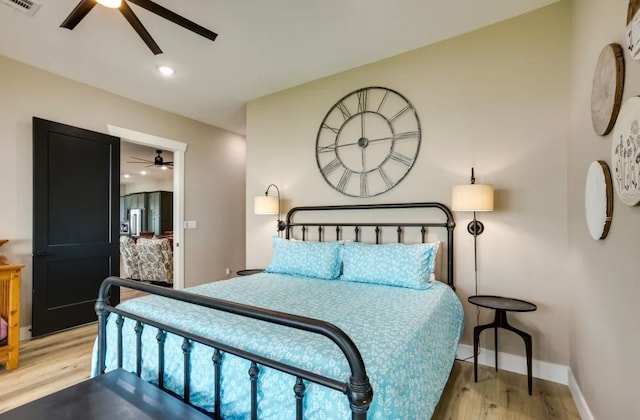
(157, 161)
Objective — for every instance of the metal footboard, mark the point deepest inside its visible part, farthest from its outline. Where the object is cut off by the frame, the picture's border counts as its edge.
(358, 389)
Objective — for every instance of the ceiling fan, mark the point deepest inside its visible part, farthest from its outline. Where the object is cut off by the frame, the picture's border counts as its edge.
(157, 161)
(85, 7)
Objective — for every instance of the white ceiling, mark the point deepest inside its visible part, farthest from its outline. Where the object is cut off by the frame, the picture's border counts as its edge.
(263, 46)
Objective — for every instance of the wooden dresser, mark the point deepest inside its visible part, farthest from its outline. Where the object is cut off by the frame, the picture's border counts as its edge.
(10, 311)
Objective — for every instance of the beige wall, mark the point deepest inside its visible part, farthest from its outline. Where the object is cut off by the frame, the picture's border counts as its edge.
(496, 99)
(604, 279)
(214, 167)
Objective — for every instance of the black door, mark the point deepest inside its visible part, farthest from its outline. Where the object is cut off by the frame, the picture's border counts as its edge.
(76, 193)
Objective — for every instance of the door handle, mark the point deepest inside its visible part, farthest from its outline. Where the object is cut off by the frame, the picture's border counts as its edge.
(41, 254)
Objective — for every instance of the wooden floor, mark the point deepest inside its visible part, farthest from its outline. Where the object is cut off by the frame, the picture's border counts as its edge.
(46, 365)
(502, 395)
(58, 361)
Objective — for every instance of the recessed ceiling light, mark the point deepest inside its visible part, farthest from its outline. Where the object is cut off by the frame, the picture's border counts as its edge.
(143, 172)
(127, 176)
(166, 70)
(164, 167)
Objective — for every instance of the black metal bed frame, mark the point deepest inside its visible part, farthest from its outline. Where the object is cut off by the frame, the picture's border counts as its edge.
(357, 389)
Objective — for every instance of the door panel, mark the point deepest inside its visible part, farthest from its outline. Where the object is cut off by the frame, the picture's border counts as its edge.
(75, 223)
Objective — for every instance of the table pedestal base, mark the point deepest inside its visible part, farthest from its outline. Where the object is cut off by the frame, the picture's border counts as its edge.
(500, 321)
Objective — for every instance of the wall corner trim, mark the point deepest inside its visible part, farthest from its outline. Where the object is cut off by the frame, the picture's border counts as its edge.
(578, 398)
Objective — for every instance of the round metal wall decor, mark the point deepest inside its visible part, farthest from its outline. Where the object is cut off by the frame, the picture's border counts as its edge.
(368, 142)
(606, 91)
(625, 153)
(598, 199)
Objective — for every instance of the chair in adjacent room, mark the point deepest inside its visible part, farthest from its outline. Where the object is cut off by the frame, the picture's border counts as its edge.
(130, 258)
(156, 259)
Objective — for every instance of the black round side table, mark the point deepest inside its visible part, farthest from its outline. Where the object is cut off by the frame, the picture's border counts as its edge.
(502, 305)
(249, 271)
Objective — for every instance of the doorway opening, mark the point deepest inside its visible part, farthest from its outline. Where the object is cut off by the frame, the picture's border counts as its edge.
(165, 193)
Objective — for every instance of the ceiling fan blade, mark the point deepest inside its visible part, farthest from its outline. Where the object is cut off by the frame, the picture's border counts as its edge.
(175, 18)
(78, 14)
(137, 26)
(139, 160)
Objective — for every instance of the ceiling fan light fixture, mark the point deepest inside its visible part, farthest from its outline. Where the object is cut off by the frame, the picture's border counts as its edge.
(113, 4)
(166, 70)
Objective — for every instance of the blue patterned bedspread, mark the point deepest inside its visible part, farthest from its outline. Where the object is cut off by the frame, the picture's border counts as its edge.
(408, 340)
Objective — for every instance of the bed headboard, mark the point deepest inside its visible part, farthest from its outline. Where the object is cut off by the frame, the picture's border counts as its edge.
(356, 221)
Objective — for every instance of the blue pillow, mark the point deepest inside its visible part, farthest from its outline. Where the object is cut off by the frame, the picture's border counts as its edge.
(310, 259)
(399, 265)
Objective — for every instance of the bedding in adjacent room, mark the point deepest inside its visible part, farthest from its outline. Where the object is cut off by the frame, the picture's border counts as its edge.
(408, 339)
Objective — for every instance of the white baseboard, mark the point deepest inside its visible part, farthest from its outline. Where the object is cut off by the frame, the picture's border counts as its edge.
(578, 398)
(25, 333)
(518, 364)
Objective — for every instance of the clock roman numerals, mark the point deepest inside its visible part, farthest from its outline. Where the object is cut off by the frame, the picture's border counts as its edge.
(344, 179)
(331, 166)
(407, 135)
(362, 100)
(384, 98)
(402, 111)
(346, 114)
(399, 157)
(327, 127)
(387, 181)
(364, 185)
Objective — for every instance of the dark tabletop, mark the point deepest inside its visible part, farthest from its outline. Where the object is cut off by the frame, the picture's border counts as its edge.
(502, 303)
(249, 271)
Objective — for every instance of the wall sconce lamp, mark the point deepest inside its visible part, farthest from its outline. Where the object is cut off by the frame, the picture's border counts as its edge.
(269, 205)
(472, 197)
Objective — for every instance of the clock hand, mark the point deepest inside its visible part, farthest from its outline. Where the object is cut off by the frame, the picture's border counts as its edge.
(380, 139)
(368, 141)
(347, 144)
(333, 147)
(356, 143)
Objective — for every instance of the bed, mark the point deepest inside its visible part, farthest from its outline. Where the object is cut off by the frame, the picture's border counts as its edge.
(298, 341)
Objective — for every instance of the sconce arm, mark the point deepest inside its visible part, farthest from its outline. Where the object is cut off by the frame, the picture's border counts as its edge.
(281, 224)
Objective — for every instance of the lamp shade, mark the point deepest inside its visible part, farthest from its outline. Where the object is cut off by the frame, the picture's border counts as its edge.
(472, 197)
(265, 204)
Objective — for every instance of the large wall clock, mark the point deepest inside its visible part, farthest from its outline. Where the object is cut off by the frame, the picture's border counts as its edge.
(368, 142)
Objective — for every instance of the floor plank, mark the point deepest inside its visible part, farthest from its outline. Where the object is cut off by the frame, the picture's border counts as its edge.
(60, 360)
